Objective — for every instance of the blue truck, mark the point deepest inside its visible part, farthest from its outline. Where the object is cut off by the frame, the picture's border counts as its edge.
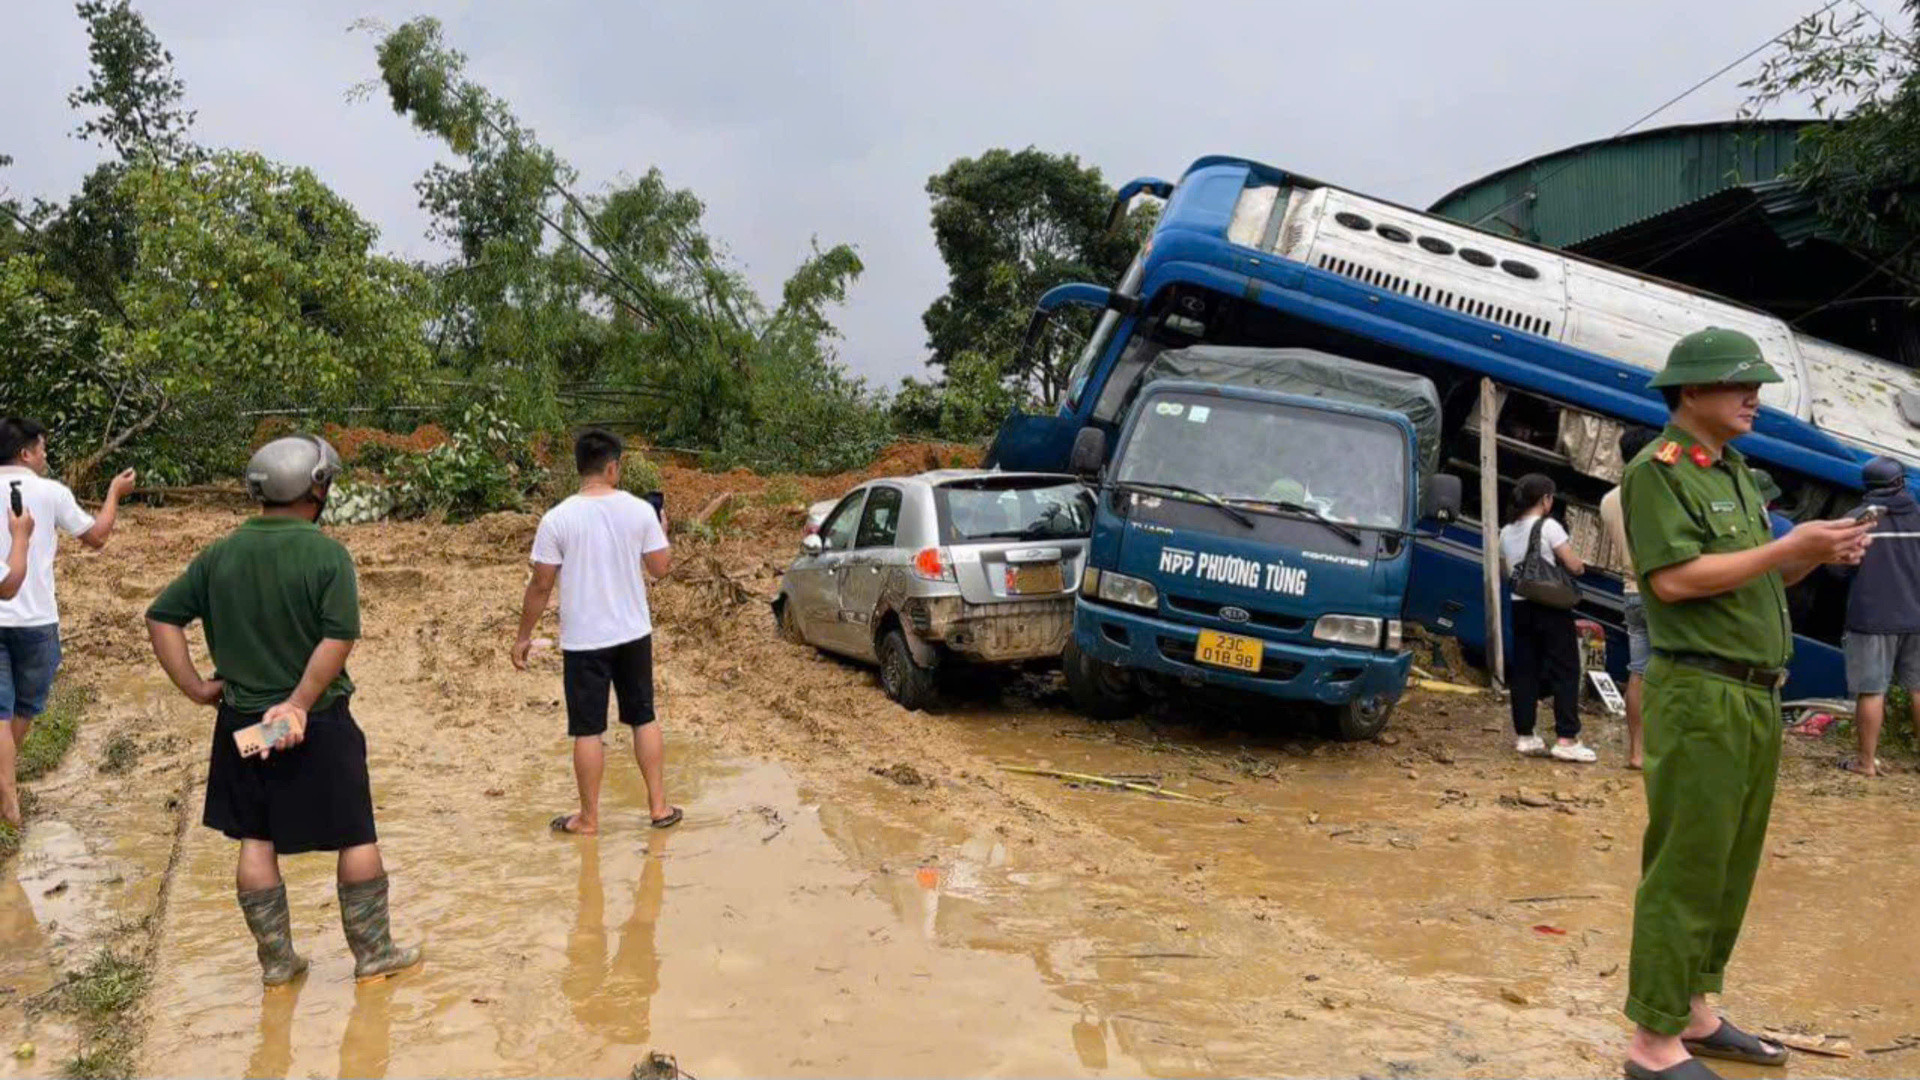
(1249, 255)
(1253, 531)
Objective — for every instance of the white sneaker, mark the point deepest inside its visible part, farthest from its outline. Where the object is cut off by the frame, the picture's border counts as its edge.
(1578, 753)
(1530, 746)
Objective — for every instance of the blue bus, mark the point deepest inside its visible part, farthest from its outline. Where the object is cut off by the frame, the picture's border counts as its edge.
(1249, 255)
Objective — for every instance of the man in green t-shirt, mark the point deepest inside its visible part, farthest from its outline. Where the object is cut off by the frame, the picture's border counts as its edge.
(281, 610)
(1714, 583)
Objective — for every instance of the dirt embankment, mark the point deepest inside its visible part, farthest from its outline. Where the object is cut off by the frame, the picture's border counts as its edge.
(1423, 905)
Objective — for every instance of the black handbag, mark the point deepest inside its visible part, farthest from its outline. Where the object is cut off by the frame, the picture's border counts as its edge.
(1541, 579)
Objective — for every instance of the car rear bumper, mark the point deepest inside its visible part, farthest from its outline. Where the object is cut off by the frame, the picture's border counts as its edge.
(995, 633)
(1329, 674)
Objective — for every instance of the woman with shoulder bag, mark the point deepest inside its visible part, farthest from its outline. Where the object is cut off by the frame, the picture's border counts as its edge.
(1537, 557)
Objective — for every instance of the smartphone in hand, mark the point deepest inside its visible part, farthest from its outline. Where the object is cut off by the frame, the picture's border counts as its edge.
(257, 739)
(19, 504)
(1870, 513)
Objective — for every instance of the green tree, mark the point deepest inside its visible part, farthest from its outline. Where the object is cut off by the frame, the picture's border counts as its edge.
(1011, 225)
(1862, 165)
(255, 288)
(132, 84)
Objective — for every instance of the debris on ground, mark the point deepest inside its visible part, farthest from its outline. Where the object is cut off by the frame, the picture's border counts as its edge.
(658, 1066)
(903, 774)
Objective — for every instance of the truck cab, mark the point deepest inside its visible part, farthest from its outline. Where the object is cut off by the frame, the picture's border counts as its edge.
(1254, 531)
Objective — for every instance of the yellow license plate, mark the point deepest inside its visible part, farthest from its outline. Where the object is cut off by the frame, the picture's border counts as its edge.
(1229, 651)
(1029, 580)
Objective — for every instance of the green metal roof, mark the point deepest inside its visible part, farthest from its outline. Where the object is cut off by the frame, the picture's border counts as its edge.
(1568, 196)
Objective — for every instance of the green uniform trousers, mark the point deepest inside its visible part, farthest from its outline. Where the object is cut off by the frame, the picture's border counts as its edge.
(1712, 754)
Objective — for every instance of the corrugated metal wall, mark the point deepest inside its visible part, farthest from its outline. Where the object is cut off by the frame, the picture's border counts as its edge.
(1584, 191)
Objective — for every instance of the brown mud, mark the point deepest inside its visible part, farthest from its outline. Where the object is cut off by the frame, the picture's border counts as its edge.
(861, 890)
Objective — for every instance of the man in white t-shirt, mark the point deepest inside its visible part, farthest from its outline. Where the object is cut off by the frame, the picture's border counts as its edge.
(595, 544)
(30, 620)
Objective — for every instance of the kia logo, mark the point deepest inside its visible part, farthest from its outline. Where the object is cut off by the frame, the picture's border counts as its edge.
(1234, 614)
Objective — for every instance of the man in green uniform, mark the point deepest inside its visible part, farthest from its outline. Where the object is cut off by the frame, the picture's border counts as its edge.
(281, 609)
(1714, 584)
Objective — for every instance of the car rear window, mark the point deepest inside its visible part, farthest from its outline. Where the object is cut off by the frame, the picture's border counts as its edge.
(1014, 508)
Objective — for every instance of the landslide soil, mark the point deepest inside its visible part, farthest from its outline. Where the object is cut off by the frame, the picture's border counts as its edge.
(861, 890)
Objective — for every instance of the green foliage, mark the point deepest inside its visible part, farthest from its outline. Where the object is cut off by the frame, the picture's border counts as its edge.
(1011, 225)
(637, 474)
(101, 995)
(486, 464)
(131, 82)
(1862, 164)
(53, 733)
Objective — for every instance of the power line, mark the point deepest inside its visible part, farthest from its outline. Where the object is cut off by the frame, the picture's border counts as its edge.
(1534, 188)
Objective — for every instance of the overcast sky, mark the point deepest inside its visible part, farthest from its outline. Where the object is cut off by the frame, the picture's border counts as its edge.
(825, 119)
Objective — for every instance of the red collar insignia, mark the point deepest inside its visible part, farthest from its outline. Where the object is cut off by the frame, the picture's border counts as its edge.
(1700, 456)
(1668, 453)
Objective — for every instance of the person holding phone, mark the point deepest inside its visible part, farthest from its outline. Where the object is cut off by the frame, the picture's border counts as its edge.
(1882, 638)
(1714, 583)
(38, 509)
(598, 546)
(288, 772)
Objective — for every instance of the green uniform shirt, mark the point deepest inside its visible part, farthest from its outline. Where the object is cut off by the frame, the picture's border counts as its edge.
(268, 593)
(1676, 509)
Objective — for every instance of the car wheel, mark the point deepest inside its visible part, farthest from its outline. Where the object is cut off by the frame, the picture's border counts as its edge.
(904, 680)
(1103, 691)
(1358, 720)
(790, 624)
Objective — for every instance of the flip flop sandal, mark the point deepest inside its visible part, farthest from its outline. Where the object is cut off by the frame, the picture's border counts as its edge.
(1690, 1069)
(559, 825)
(1729, 1043)
(669, 821)
(1847, 765)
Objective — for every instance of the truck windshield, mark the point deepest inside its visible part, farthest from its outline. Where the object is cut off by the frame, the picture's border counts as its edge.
(1351, 469)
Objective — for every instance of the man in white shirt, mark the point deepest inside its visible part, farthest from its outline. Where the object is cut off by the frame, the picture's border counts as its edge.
(1634, 610)
(30, 620)
(595, 544)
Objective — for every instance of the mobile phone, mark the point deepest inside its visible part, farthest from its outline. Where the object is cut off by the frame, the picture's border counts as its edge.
(1868, 512)
(659, 501)
(256, 739)
(19, 504)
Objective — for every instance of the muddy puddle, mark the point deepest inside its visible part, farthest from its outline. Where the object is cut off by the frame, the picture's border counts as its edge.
(745, 942)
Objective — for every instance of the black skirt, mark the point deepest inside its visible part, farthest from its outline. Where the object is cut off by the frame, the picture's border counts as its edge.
(313, 797)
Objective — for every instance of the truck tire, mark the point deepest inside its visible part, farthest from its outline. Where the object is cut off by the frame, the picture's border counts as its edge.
(1354, 722)
(1101, 690)
(911, 686)
(789, 622)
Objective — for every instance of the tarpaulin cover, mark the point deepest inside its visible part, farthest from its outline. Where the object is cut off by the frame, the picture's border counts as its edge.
(1311, 373)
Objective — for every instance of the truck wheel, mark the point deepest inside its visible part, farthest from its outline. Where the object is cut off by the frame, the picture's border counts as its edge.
(905, 681)
(1356, 721)
(789, 620)
(1101, 690)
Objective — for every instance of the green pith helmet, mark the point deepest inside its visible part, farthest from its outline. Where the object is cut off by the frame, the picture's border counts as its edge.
(1769, 489)
(1712, 356)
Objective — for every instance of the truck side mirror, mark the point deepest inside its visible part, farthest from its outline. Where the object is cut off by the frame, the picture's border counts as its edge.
(1440, 498)
(1089, 452)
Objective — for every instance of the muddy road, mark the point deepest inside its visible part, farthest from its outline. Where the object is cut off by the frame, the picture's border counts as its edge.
(1422, 906)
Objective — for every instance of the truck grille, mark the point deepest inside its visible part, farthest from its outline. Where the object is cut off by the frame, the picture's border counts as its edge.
(1272, 620)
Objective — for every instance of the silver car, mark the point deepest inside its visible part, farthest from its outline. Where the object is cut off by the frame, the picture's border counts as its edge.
(959, 565)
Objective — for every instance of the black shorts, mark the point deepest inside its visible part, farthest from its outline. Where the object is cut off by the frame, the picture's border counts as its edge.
(313, 797)
(628, 668)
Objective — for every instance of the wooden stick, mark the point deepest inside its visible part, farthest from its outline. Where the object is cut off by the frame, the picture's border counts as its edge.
(1549, 899)
(1446, 687)
(1802, 1043)
(1105, 781)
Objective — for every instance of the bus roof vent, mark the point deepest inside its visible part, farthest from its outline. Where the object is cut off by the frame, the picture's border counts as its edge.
(1446, 298)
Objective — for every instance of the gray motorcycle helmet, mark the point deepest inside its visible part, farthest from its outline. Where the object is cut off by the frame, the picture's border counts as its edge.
(288, 468)
(1883, 474)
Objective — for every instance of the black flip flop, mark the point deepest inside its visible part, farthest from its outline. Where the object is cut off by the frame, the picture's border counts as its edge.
(1690, 1069)
(559, 825)
(669, 821)
(1729, 1043)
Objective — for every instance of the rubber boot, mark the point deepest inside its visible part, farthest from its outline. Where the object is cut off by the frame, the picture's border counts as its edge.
(363, 916)
(266, 912)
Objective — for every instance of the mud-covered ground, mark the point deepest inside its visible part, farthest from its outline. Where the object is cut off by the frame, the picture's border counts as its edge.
(1423, 905)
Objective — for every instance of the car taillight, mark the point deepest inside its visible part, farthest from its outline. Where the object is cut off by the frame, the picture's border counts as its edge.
(933, 564)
